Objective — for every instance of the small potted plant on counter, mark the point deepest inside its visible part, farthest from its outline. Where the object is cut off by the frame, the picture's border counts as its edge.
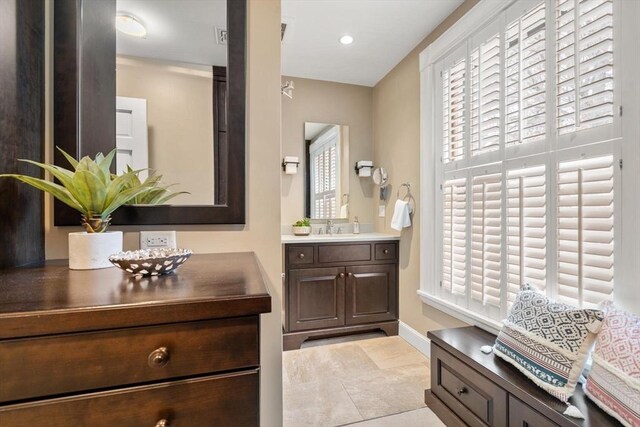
(91, 189)
(302, 227)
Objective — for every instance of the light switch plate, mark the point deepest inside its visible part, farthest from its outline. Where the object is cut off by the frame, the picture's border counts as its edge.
(382, 211)
(157, 239)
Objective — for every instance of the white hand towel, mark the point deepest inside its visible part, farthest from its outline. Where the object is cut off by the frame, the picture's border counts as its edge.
(401, 218)
(344, 211)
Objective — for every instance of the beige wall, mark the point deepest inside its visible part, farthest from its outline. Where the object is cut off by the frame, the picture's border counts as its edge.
(262, 231)
(179, 122)
(396, 136)
(327, 102)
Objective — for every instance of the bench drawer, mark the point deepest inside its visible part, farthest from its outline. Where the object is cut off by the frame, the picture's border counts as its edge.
(522, 415)
(473, 398)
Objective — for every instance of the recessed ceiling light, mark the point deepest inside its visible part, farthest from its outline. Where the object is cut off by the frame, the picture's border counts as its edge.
(346, 39)
(130, 25)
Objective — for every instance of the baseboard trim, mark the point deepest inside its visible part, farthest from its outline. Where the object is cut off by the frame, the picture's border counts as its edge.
(415, 338)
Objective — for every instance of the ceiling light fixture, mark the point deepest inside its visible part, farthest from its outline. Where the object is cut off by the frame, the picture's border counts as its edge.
(130, 25)
(346, 39)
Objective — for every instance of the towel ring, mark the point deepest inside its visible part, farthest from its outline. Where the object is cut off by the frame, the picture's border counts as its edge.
(408, 197)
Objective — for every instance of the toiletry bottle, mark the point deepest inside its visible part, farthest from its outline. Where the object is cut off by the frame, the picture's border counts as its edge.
(356, 226)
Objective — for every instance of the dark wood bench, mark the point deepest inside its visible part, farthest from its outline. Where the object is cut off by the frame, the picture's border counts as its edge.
(469, 387)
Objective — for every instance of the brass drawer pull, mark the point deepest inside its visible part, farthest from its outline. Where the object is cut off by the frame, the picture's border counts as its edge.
(461, 391)
(162, 423)
(349, 274)
(386, 251)
(157, 359)
(301, 256)
(341, 275)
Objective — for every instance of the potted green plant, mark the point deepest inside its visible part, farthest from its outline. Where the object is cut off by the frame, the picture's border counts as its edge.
(91, 189)
(302, 227)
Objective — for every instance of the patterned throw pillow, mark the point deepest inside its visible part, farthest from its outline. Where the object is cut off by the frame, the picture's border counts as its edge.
(614, 380)
(548, 341)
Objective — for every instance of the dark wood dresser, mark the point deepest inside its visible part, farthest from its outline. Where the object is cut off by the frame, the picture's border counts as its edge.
(471, 388)
(333, 289)
(101, 348)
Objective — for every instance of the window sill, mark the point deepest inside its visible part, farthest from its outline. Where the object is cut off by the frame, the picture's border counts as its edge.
(460, 313)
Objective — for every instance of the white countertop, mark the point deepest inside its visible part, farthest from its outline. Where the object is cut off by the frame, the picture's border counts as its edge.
(346, 237)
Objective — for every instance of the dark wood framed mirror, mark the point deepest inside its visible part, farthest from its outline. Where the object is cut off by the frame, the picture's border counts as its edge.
(85, 110)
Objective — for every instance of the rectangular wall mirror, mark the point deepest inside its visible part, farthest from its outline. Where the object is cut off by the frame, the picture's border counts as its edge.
(167, 89)
(327, 170)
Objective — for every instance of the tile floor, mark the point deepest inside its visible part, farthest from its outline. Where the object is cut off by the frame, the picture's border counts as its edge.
(347, 383)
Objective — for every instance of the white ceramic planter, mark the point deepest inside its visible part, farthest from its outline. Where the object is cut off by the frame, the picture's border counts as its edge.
(89, 251)
(301, 231)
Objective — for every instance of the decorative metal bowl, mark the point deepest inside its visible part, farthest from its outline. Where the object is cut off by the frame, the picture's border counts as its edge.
(150, 262)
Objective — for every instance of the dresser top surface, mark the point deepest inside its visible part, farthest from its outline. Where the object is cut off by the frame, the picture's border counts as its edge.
(50, 298)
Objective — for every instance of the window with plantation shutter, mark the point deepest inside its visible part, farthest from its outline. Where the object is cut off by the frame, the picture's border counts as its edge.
(523, 138)
(585, 64)
(486, 239)
(454, 242)
(525, 74)
(485, 97)
(526, 229)
(453, 114)
(323, 158)
(585, 230)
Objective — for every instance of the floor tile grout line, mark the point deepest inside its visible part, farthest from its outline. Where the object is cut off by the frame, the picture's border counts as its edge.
(383, 416)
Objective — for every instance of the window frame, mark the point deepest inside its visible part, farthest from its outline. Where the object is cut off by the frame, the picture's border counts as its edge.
(473, 26)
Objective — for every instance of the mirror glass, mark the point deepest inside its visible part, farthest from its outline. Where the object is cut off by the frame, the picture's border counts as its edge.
(170, 79)
(327, 170)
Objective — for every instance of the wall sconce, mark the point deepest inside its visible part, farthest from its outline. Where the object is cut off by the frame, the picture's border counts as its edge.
(290, 165)
(364, 167)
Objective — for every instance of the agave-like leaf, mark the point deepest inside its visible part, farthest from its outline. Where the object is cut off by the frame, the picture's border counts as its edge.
(120, 183)
(122, 198)
(73, 162)
(90, 191)
(105, 163)
(56, 190)
(63, 175)
(168, 197)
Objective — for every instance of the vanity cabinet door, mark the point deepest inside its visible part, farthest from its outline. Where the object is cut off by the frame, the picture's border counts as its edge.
(371, 294)
(316, 298)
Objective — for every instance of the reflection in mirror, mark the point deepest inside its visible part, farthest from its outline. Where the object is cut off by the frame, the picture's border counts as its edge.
(327, 170)
(170, 83)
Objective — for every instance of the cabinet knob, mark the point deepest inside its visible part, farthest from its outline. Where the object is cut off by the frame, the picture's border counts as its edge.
(386, 251)
(300, 256)
(157, 359)
(349, 274)
(162, 423)
(461, 391)
(341, 275)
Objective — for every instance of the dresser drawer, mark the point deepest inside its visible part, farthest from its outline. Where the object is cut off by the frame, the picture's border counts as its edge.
(522, 415)
(66, 363)
(344, 253)
(300, 255)
(224, 400)
(473, 398)
(385, 251)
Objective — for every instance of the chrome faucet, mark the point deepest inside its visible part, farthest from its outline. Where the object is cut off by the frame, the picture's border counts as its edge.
(329, 227)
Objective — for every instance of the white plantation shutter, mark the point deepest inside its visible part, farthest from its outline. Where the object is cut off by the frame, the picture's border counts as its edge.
(323, 159)
(525, 74)
(526, 229)
(454, 242)
(453, 114)
(486, 239)
(585, 64)
(585, 230)
(485, 97)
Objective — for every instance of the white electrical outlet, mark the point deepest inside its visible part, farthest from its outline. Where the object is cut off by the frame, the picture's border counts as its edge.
(382, 211)
(157, 239)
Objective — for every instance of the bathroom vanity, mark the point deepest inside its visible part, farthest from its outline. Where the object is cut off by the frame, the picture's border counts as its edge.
(99, 347)
(339, 285)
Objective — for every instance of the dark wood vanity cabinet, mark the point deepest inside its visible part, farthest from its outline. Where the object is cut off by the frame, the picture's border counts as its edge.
(101, 348)
(470, 388)
(333, 289)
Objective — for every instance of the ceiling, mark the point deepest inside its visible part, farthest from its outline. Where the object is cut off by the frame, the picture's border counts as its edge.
(384, 32)
(177, 30)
